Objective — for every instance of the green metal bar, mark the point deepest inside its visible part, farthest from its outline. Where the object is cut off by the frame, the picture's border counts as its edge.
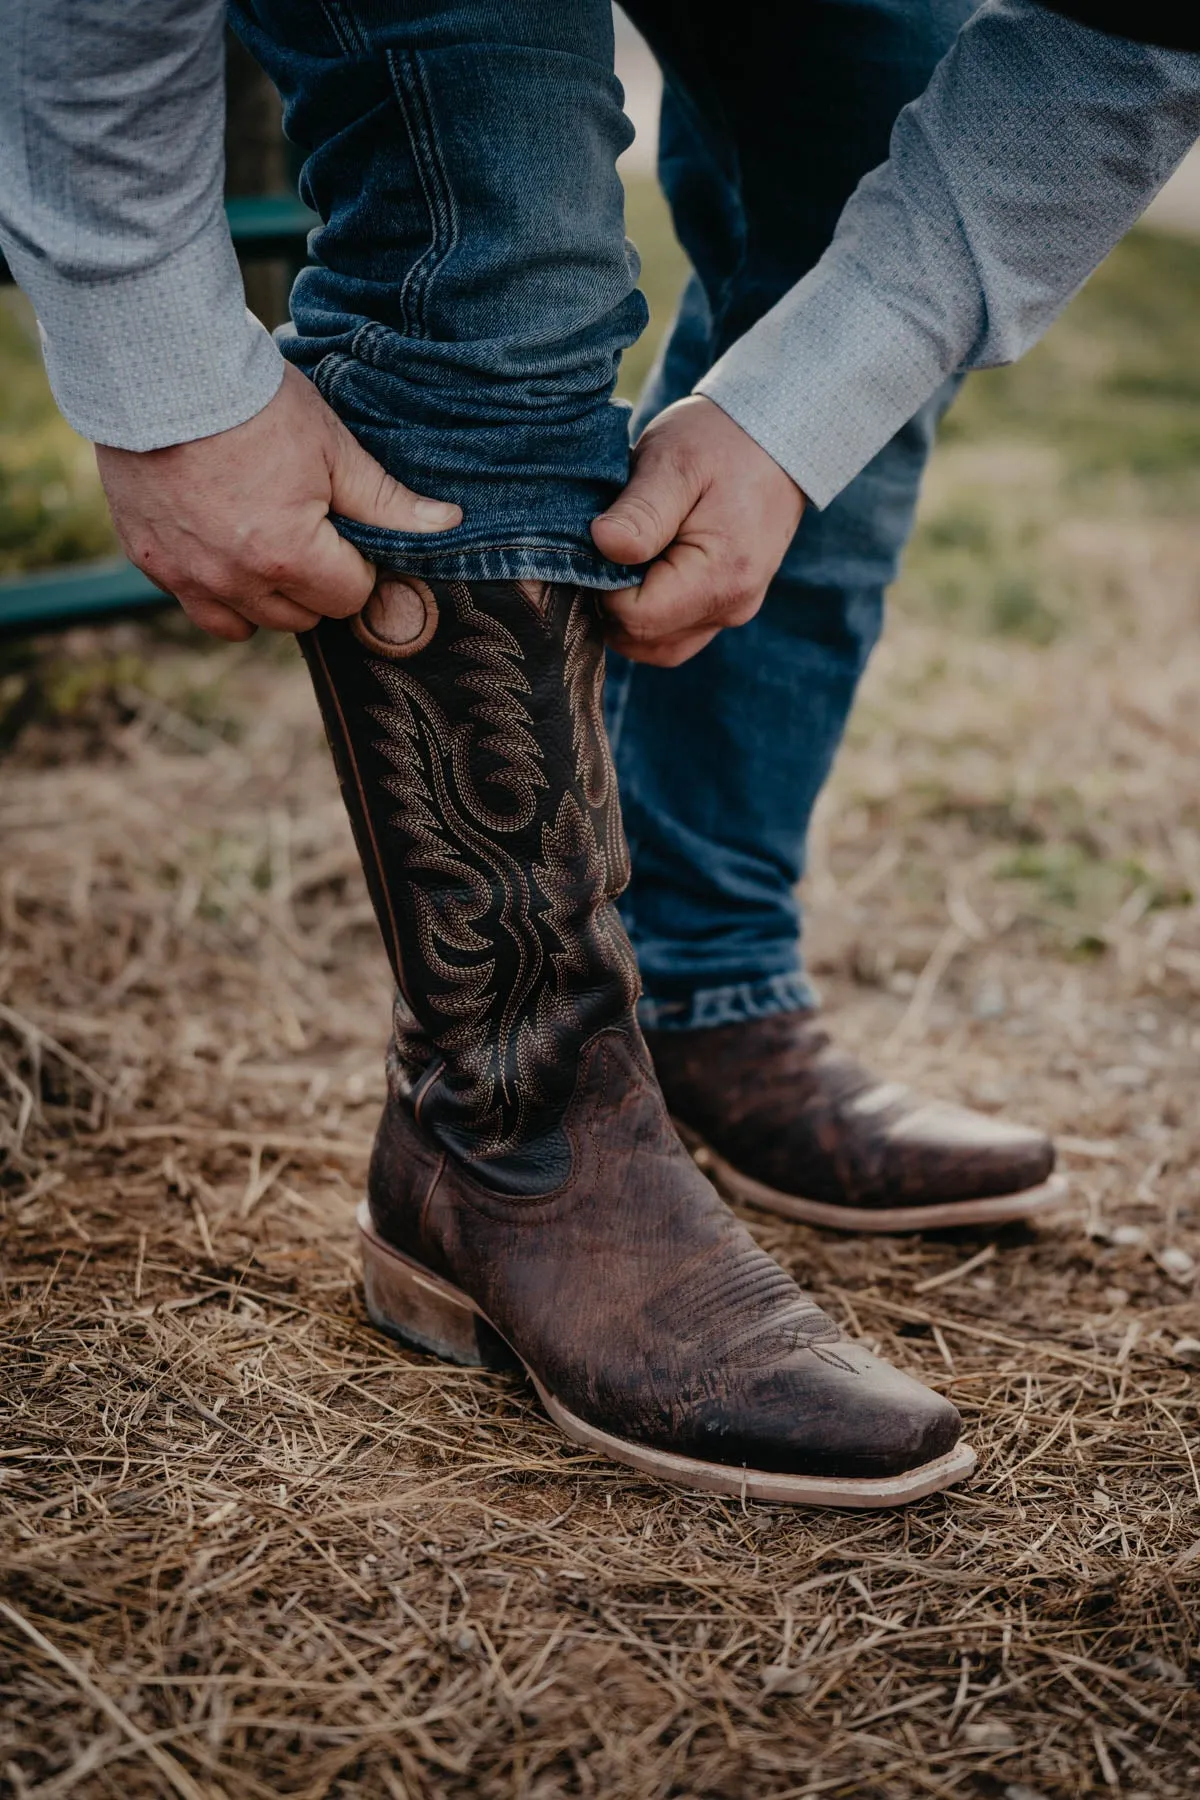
(53, 598)
(262, 227)
(268, 225)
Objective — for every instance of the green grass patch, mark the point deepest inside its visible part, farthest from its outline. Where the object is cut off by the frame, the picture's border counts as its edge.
(1099, 420)
(1078, 894)
(51, 507)
(1115, 384)
(664, 271)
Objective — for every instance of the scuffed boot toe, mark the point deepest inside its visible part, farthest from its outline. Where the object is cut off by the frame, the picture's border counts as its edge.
(841, 1412)
(949, 1147)
(915, 1427)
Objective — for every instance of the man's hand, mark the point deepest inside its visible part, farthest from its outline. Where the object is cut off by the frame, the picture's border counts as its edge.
(722, 511)
(236, 526)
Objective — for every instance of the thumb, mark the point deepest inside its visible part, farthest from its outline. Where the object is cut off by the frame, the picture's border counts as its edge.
(360, 489)
(646, 516)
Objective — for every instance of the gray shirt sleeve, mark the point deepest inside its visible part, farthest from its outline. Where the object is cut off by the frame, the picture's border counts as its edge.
(1036, 146)
(111, 217)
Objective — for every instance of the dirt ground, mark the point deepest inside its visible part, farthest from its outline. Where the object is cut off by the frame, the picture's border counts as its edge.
(247, 1548)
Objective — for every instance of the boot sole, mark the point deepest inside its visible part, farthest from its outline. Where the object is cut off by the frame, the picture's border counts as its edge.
(939, 1215)
(421, 1310)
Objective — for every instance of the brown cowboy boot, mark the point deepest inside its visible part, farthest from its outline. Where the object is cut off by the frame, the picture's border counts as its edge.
(528, 1195)
(792, 1124)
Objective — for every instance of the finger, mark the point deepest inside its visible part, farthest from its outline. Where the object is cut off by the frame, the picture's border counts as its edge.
(362, 490)
(217, 619)
(682, 592)
(665, 653)
(648, 512)
(279, 612)
(331, 579)
(247, 595)
(317, 574)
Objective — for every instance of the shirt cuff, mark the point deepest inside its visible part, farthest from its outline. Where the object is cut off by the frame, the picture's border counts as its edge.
(827, 377)
(159, 356)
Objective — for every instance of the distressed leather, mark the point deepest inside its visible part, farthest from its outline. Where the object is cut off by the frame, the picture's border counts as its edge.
(525, 1153)
(782, 1105)
(641, 1302)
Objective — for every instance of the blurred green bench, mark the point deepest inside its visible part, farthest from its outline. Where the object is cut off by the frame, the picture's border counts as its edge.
(266, 228)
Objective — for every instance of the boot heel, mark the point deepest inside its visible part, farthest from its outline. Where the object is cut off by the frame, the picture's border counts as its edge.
(415, 1306)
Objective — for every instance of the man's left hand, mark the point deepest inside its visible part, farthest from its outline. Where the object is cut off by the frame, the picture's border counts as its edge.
(716, 511)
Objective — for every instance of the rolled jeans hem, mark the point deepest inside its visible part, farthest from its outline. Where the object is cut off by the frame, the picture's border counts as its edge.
(417, 554)
(732, 1005)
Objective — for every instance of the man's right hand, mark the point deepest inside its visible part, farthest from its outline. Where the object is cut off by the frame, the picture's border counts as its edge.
(236, 526)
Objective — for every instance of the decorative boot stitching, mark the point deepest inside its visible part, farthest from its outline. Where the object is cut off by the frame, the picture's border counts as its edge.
(510, 906)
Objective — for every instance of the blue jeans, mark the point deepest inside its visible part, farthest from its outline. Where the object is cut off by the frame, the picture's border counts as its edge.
(472, 294)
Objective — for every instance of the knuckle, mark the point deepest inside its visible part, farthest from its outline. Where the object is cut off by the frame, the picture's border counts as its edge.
(198, 611)
(263, 559)
(216, 621)
(274, 570)
(227, 586)
(741, 567)
(145, 555)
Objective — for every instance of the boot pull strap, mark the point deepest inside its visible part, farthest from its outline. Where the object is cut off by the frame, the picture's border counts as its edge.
(399, 618)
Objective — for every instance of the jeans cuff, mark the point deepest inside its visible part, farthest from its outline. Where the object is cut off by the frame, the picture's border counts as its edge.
(732, 1005)
(529, 559)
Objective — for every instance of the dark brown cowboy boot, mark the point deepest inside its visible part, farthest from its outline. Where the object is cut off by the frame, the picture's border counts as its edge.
(528, 1194)
(792, 1124)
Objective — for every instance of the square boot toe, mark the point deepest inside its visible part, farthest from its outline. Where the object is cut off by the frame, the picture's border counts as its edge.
(847, 1413)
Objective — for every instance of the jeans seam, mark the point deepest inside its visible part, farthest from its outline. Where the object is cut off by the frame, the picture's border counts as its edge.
(486, 561)
(345, 28)
(365, 340)
(326, 375)
(412, 95)
(531, 543)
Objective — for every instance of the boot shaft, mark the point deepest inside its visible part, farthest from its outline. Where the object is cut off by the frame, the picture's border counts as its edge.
(467, 728)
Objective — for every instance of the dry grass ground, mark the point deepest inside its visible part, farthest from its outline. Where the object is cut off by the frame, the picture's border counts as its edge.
(250, 1549)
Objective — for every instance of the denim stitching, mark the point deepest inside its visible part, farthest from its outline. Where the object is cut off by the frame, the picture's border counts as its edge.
(368, 343)
(413, 100)
(444, 191)
(327, 373)
(500, 562)
(345, 27)
(731, 1004)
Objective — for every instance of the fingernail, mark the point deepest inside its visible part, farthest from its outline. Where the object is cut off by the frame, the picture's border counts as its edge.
(435, 512)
